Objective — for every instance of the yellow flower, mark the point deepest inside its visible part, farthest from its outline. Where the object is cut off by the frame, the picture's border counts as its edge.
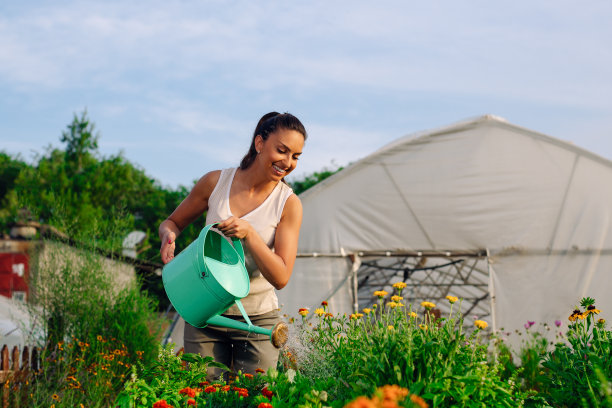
(396, 298)
(55, 397)
(412, 314)
(592, 309)
(390, 327)
(319, 312)
(367, 311)
(303, 311)
(481, 324)
(423, 326)
(575, 315)
(452, 299)
(399, 285)
(380, 293)
(428, 305)
(392, 305)
(601, 322)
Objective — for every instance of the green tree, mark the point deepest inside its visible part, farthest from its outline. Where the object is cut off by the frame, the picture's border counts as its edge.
(303, 184)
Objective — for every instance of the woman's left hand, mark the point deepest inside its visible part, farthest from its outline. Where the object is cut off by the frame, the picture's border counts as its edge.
(234, 227)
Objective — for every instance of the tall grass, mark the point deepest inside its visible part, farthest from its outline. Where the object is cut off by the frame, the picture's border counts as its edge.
(92, 322)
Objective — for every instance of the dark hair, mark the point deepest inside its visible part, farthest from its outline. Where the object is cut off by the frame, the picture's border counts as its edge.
(268, 124)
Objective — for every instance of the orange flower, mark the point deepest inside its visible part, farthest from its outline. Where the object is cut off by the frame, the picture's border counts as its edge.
(210, 389)
(324, 303)
(190, 392)
(161, 404)
(265, 405)
(259, 370)
(267, 393)
(225, 388)
(247, 375)
(361, 402)
(303, 311)
(380, 293)
(191, 401)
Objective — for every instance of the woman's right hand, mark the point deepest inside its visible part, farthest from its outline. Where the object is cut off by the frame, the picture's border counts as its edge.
(167, 247)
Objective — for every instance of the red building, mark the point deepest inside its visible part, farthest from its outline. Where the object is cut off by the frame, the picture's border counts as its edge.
(14, 269)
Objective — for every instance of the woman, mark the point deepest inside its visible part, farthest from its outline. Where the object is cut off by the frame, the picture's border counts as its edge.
(252, 203)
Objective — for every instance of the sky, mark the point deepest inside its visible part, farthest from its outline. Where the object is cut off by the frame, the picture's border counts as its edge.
(177, 86)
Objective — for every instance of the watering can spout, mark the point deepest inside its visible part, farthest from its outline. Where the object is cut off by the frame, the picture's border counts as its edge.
(278, 334)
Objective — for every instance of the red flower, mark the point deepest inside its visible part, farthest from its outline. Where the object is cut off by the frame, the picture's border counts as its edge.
(190, 392)
(210, 389)
(202, 384)
(191, 401)
(161, 404)
(324, 303)
(265, 405)
(267, 393)
(248, 375)
(259, 370)
(225, 388)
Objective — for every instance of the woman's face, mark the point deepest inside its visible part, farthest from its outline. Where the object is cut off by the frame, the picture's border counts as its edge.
(280, 152)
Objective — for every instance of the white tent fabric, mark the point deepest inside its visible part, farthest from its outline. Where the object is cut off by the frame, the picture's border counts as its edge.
(540, 208)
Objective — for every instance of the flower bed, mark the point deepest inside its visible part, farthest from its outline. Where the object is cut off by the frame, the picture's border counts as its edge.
(391, 355)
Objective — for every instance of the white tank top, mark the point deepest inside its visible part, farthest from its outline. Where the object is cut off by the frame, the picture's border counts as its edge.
(264, 219)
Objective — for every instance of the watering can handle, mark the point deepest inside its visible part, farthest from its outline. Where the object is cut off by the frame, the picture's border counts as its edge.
(237, 245)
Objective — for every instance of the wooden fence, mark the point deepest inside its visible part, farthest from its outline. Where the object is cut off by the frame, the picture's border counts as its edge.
(14, 368)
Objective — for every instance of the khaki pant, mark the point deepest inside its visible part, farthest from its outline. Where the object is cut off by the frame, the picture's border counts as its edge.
(237, 349)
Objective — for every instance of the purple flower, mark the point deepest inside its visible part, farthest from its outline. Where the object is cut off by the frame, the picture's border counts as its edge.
(558, 323)
(529, 324)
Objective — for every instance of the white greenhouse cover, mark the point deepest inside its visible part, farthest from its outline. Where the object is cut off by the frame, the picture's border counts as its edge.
(540, 208)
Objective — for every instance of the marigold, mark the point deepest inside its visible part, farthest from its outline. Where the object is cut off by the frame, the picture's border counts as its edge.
(210, 389)
(396, 298)
(399, 285)
(260, 370)
(324, 303)
(419, 401)
(190, 392)
(367, 311)
(303, 311)
(265, 405)
(452, 299)
(247, 375)
(481, 324)
(329, 315)
(267, 393)
(319, 311)
(380, 293)
(428, 305)
(161, 404)
(392, 305)
(225, 388)
(412, 314)
(191, 401)
(361, 402)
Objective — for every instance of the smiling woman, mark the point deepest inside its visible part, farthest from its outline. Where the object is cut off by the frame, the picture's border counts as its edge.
(252, 203)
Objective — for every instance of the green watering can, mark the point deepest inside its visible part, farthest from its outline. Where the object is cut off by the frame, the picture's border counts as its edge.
(208, 277)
